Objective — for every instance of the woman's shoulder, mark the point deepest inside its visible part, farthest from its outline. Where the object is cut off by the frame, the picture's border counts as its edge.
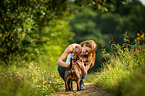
(72, 46)
(75, 44)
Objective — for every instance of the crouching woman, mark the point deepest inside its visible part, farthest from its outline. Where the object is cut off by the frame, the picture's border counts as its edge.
(87, 50)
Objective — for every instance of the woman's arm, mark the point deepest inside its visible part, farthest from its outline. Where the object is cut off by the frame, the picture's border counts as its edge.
(84, 69)
(60, 61)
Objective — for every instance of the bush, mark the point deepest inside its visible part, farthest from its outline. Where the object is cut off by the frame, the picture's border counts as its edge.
(22, 24)
(123, 72)
(31, 81)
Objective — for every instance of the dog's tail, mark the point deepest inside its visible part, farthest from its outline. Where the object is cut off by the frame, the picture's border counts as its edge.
(70, 63)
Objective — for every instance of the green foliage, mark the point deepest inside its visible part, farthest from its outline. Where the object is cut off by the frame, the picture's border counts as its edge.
(34, 80)
(140, 38)
(22, 23)
(88, 24)
(98, 5)
(31, 42)
(134, 83)
(90, 78)
(33, 35)
(123, 71)
(123, 19)
(54, 45)
(111, 25)
(85, 28)
(37, 75)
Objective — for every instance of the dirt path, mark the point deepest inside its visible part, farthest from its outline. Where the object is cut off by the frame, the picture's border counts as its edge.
(90, 90)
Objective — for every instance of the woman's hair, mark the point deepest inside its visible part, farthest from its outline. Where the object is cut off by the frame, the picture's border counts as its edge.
(91, 44)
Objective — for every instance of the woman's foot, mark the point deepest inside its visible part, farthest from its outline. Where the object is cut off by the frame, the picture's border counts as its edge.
(82, 87)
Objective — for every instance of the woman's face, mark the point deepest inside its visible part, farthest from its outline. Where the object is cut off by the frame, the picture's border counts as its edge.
(85, 50)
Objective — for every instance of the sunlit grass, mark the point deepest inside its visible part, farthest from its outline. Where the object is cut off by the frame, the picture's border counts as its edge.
(123, 72)
(90, 78)
(31, 81)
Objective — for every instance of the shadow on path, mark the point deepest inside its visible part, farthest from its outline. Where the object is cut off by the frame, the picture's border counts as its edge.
(90, 90)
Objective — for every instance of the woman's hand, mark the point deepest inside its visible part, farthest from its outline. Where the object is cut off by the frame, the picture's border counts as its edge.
(81, 64)
(68, 66)
(82, 67)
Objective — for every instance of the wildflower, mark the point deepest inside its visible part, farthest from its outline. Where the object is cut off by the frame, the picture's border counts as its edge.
(44, 81)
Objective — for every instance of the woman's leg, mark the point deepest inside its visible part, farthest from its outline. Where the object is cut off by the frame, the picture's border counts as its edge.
(61, 71)
(82, 82)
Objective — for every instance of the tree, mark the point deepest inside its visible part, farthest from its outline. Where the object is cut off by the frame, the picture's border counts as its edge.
(127, 17)
(22, 22)
(85, 27)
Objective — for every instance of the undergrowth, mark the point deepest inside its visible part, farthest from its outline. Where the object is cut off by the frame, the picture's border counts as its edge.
(124, 69)
(32, 80)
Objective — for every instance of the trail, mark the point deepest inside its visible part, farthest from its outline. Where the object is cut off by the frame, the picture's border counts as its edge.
(90, 90)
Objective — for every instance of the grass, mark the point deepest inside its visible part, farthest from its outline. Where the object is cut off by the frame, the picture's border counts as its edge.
(28, 81)
(35, 75)
(90, 78)
(123, 73)
(124, 70)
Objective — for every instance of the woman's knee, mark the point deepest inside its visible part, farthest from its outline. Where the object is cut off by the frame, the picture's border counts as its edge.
(61, 71)
(83, 77)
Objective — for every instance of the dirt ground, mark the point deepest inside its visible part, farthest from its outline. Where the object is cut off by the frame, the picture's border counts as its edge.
(90, 90)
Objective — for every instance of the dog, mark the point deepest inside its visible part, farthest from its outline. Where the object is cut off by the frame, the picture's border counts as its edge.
(73, 73)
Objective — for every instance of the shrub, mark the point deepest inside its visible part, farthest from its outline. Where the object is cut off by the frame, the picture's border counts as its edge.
(31, 81)
(123, 71)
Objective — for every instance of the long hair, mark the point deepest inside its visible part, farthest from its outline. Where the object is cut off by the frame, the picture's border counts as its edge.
(91, 44)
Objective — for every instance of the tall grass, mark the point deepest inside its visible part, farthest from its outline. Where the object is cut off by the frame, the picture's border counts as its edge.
(34, 77)
(124, 70)
(32, 80)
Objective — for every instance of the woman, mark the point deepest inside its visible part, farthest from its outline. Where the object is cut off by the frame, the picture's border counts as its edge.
(87, 49)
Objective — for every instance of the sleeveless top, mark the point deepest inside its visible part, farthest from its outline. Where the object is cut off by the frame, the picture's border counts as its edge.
(70, 55)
